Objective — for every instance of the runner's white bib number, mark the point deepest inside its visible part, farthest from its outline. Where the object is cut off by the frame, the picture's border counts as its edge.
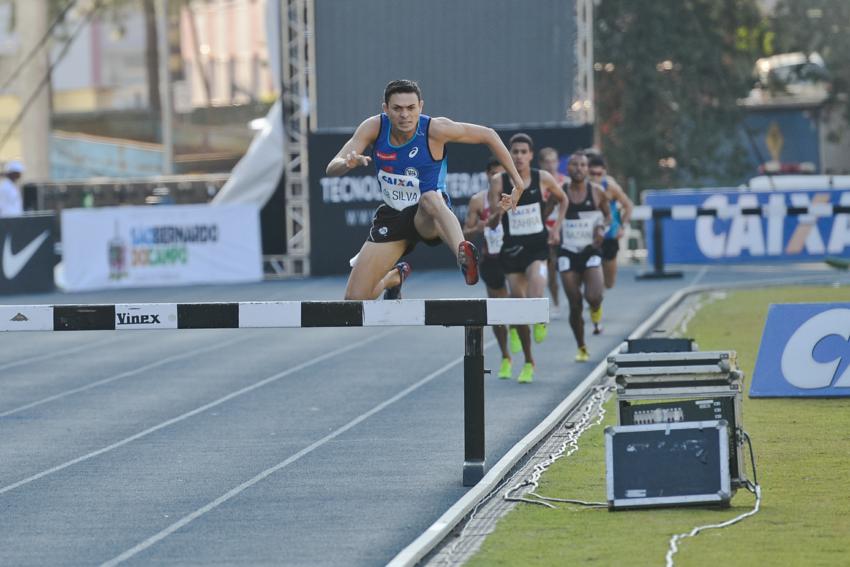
(578, 233)
(494, 237)
(399, 191)
(525, 220)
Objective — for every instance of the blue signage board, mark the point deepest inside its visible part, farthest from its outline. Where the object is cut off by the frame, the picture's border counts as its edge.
(804, 352)
(736, 238)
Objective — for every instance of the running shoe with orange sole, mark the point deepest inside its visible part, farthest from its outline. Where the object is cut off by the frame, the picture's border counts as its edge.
(467, 260)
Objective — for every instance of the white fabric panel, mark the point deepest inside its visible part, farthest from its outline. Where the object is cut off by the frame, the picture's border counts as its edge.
(683, 212)
(398, 312)
(26, 317)
(256, 176)
(821, 209)
(270, 314)
(641, 212)
(517, 311)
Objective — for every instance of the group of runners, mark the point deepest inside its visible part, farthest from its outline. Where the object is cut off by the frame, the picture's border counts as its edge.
(531, 222)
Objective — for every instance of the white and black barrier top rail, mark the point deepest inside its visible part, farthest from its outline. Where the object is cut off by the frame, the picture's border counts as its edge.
(687, 212)
(274, 314)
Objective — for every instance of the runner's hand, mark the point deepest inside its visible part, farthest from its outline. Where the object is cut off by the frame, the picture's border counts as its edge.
(554, 236)
(506, 203)
(353, 159)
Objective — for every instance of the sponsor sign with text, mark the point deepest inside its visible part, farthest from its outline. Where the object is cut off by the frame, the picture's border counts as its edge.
(164, 245)
(145, 316)
(804, 352)
(732, 237)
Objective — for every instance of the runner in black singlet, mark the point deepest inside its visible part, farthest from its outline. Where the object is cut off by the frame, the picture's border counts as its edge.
(526, 238)
(579, 260)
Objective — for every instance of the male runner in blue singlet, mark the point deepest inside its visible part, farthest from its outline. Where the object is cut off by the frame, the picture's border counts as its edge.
(409, 152)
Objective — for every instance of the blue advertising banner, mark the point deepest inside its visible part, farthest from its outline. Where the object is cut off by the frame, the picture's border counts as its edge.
(804, 352)
(733, 237)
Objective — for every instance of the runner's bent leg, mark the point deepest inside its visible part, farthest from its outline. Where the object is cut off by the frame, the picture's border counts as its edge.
(593, 287)
(370, 274)
(572, 287)
(519, 288)
(501, 331)
(609, 270)
(554, 286)
(435, 219)
(537, 277)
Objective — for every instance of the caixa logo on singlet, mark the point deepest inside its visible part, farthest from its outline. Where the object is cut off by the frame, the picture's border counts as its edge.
(805, 351)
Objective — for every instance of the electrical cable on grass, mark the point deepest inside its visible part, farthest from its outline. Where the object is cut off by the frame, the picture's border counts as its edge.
(753, 487)
(596, 399)
(585, 422)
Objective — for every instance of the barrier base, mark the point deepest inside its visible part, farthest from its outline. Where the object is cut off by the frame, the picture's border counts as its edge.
(473, 471)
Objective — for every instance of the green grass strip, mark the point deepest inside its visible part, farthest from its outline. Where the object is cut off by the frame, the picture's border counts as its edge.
(802, 454)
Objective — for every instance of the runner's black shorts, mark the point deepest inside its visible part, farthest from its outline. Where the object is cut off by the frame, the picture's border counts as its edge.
(389, 225)
(610, 247)
(516, 259)
(568, 261)
(491, 272)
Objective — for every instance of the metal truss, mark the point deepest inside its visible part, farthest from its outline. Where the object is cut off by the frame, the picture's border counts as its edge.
(581, 110)
(298, 99)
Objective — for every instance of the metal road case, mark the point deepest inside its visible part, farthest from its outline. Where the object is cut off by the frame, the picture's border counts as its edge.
(683, 387)
(660, 344)
(667, 464)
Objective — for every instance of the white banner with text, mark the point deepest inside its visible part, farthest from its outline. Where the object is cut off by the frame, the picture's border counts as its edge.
(113, 247)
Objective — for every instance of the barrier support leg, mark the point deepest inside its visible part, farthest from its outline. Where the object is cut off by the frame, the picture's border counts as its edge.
(658, 253)
(473, 406)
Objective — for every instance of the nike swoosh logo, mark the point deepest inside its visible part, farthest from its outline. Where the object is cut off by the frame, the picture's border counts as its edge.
(14, 263)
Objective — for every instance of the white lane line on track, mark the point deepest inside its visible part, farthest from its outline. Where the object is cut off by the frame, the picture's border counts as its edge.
(699, 276)
(56, 353)
(191, 413)
(122, 375)
(269, 471)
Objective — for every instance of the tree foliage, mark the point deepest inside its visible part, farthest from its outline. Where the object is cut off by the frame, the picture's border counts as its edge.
(668, 75)
(822, 26)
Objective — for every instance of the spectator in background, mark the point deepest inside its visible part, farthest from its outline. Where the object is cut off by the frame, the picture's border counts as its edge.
(11, 200)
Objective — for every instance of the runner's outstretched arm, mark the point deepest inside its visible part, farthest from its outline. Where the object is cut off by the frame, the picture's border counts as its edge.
(351, 155)
(444, 130)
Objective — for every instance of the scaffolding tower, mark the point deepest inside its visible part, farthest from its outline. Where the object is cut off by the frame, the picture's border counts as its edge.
(298, 99)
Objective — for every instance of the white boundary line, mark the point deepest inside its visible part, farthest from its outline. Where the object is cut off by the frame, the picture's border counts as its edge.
(56, 353)
(192, 413)
(269, 471)
(124, 374)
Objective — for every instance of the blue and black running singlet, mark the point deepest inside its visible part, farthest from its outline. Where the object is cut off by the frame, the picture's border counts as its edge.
(615, 214)
(407, 171)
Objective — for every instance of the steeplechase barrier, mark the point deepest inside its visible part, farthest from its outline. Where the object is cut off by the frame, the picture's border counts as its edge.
(691, 212)
(472, 314)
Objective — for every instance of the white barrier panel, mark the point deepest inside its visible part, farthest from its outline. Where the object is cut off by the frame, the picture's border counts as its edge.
(113, 247)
